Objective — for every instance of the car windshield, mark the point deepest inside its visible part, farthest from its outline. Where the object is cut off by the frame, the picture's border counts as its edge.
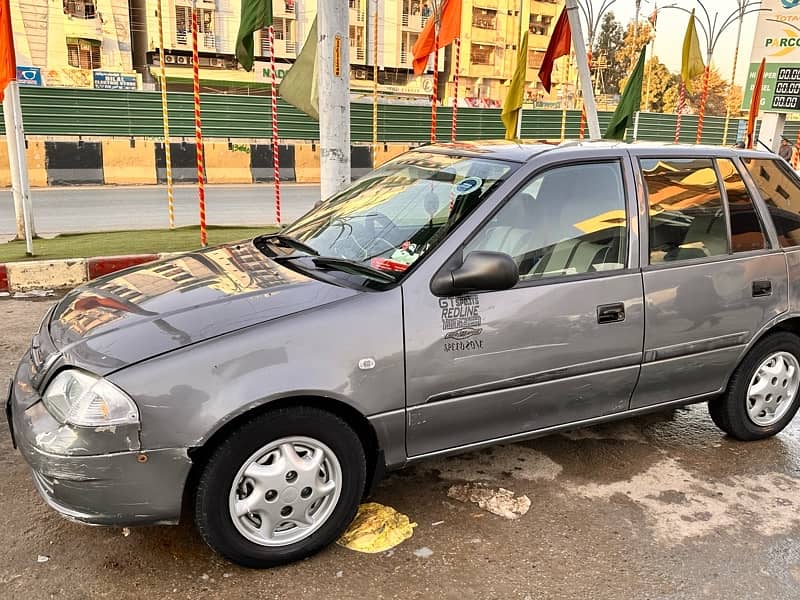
(389, 219)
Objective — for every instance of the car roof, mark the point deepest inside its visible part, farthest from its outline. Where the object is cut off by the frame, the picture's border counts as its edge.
(524, 150)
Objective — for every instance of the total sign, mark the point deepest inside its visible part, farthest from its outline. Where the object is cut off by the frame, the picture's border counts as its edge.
(777, 40)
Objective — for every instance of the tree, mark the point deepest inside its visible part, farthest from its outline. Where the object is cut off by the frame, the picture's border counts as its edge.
(660, 87)
(634, 40)
(607, 43)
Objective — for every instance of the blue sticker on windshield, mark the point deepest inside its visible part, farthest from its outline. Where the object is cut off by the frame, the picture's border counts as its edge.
(467, 185)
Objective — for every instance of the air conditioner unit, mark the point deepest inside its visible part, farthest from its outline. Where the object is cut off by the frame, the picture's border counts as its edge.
(360, 74)
(169, 59)
(183, 60)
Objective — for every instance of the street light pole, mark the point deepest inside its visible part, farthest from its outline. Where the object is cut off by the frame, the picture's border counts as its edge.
(333, 54)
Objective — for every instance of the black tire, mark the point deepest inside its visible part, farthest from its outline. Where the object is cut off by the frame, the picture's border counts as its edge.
(729, 411)
(212, 516)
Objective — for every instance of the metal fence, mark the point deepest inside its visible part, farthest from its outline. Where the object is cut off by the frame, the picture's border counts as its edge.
(99, 113)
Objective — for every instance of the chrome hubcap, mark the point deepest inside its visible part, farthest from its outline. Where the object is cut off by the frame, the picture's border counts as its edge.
(285, 491)
(773, 388)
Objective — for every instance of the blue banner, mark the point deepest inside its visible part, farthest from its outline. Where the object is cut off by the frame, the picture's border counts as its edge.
(106, 80)
(29, 76)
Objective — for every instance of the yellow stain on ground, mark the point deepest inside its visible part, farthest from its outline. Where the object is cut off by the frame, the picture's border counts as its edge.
(376, 528)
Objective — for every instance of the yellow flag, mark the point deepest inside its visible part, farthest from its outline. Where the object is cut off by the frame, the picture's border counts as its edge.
(513, 100)
(692, 64)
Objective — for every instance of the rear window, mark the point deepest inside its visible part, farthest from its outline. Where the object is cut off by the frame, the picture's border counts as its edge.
(781, 193)
(687, 217)
(746, 231)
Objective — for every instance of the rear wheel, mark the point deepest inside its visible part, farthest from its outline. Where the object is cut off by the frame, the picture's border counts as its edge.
(762, 396)
(280, 487)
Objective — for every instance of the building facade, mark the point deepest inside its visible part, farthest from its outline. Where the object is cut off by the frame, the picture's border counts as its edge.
(115, 44)
(73, 43)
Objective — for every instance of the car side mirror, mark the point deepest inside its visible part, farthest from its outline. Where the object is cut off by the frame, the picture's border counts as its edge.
(480, 271)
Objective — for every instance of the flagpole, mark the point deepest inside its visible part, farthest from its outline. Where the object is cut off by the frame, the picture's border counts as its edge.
(165, 118)
(681, 106)
(434, 92)
(522, 29)
(733, 82)
(276, 159)
(375, 83)
(583, 69)
(703, 100)
(564, 93)
(454, 127)
(198, 129)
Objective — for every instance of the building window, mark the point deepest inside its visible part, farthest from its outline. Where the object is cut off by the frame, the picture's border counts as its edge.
(482, 54)
(283, 31)
(81, 9)
(483, 18)
(83, 54)
(540, 24)
(183, 25)
(535, 59)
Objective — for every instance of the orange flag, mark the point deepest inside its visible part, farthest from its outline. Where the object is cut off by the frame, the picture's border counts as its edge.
(8, 61)
(755, 105)
(449, 29)
(560, 44)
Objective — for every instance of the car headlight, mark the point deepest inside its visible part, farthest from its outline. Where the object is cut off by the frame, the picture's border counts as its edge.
(79, 398)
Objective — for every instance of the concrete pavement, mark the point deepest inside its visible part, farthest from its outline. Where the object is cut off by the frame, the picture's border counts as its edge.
(105, 208)
(662, 507)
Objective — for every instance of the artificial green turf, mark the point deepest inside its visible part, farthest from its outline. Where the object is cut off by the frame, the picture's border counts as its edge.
(111, 243)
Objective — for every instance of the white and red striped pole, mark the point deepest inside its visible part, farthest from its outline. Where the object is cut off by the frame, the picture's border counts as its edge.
(276, 162)
(198, 129)
(455, 89)
(435, 91)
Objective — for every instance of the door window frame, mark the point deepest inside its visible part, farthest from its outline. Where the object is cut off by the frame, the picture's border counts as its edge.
(631, 240)
(645, 212)
(758, 199)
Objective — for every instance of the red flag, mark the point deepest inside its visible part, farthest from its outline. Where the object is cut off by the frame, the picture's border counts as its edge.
(8, 61)
(560, 44)
(449, 29)
(755, 103)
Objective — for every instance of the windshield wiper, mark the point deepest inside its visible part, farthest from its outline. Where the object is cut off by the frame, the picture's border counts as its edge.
(353, 267)
(288, 242)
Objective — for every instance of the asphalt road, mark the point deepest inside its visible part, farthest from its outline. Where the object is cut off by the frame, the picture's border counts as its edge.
(658, 508)
(104, 208)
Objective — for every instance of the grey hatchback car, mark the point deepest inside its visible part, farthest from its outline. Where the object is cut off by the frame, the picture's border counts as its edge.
(458, 296)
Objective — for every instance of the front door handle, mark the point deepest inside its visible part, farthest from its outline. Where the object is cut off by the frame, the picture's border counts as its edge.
(762, 288)
(611, 313)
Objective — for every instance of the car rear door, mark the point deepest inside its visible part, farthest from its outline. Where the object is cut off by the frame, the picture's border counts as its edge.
(713, 275)
(563, 345)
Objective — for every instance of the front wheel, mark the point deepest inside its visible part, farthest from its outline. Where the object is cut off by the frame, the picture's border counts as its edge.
(762, 396)
(280, 487)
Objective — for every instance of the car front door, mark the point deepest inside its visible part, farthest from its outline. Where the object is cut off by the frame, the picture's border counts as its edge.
(712, 277)
(563, 345)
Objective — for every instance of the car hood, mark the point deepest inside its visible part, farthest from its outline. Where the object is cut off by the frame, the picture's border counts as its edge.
(144, 311)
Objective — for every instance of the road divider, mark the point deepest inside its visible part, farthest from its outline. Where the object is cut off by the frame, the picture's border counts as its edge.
(141, 161)
(64, 274)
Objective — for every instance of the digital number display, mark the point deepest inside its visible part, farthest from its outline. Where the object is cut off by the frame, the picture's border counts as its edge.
(787, 89)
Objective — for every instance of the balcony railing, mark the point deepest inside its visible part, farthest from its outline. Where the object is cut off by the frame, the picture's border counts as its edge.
(412, 22)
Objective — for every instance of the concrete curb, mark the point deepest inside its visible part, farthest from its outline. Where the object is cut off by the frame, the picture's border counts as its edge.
(66, 273)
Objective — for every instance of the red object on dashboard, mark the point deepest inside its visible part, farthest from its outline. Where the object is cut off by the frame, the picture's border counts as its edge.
(386, 264)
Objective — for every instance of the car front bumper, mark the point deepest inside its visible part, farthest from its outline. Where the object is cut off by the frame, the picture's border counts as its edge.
(97, 476)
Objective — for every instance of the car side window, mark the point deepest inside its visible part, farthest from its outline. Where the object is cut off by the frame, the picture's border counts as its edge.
(567, 220)
(781, 194)
(746, 230)
(687, 217)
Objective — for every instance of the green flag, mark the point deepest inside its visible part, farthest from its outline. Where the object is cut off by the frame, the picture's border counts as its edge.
(629, 103)
(299, 85)
(256, 15)
(513, 100)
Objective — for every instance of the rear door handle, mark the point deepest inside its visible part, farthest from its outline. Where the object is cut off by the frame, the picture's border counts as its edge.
(762, 288)
(611, 313)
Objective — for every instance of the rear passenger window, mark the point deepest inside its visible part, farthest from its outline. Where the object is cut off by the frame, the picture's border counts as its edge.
(781, 194)
(687, 217)
(746, 231)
